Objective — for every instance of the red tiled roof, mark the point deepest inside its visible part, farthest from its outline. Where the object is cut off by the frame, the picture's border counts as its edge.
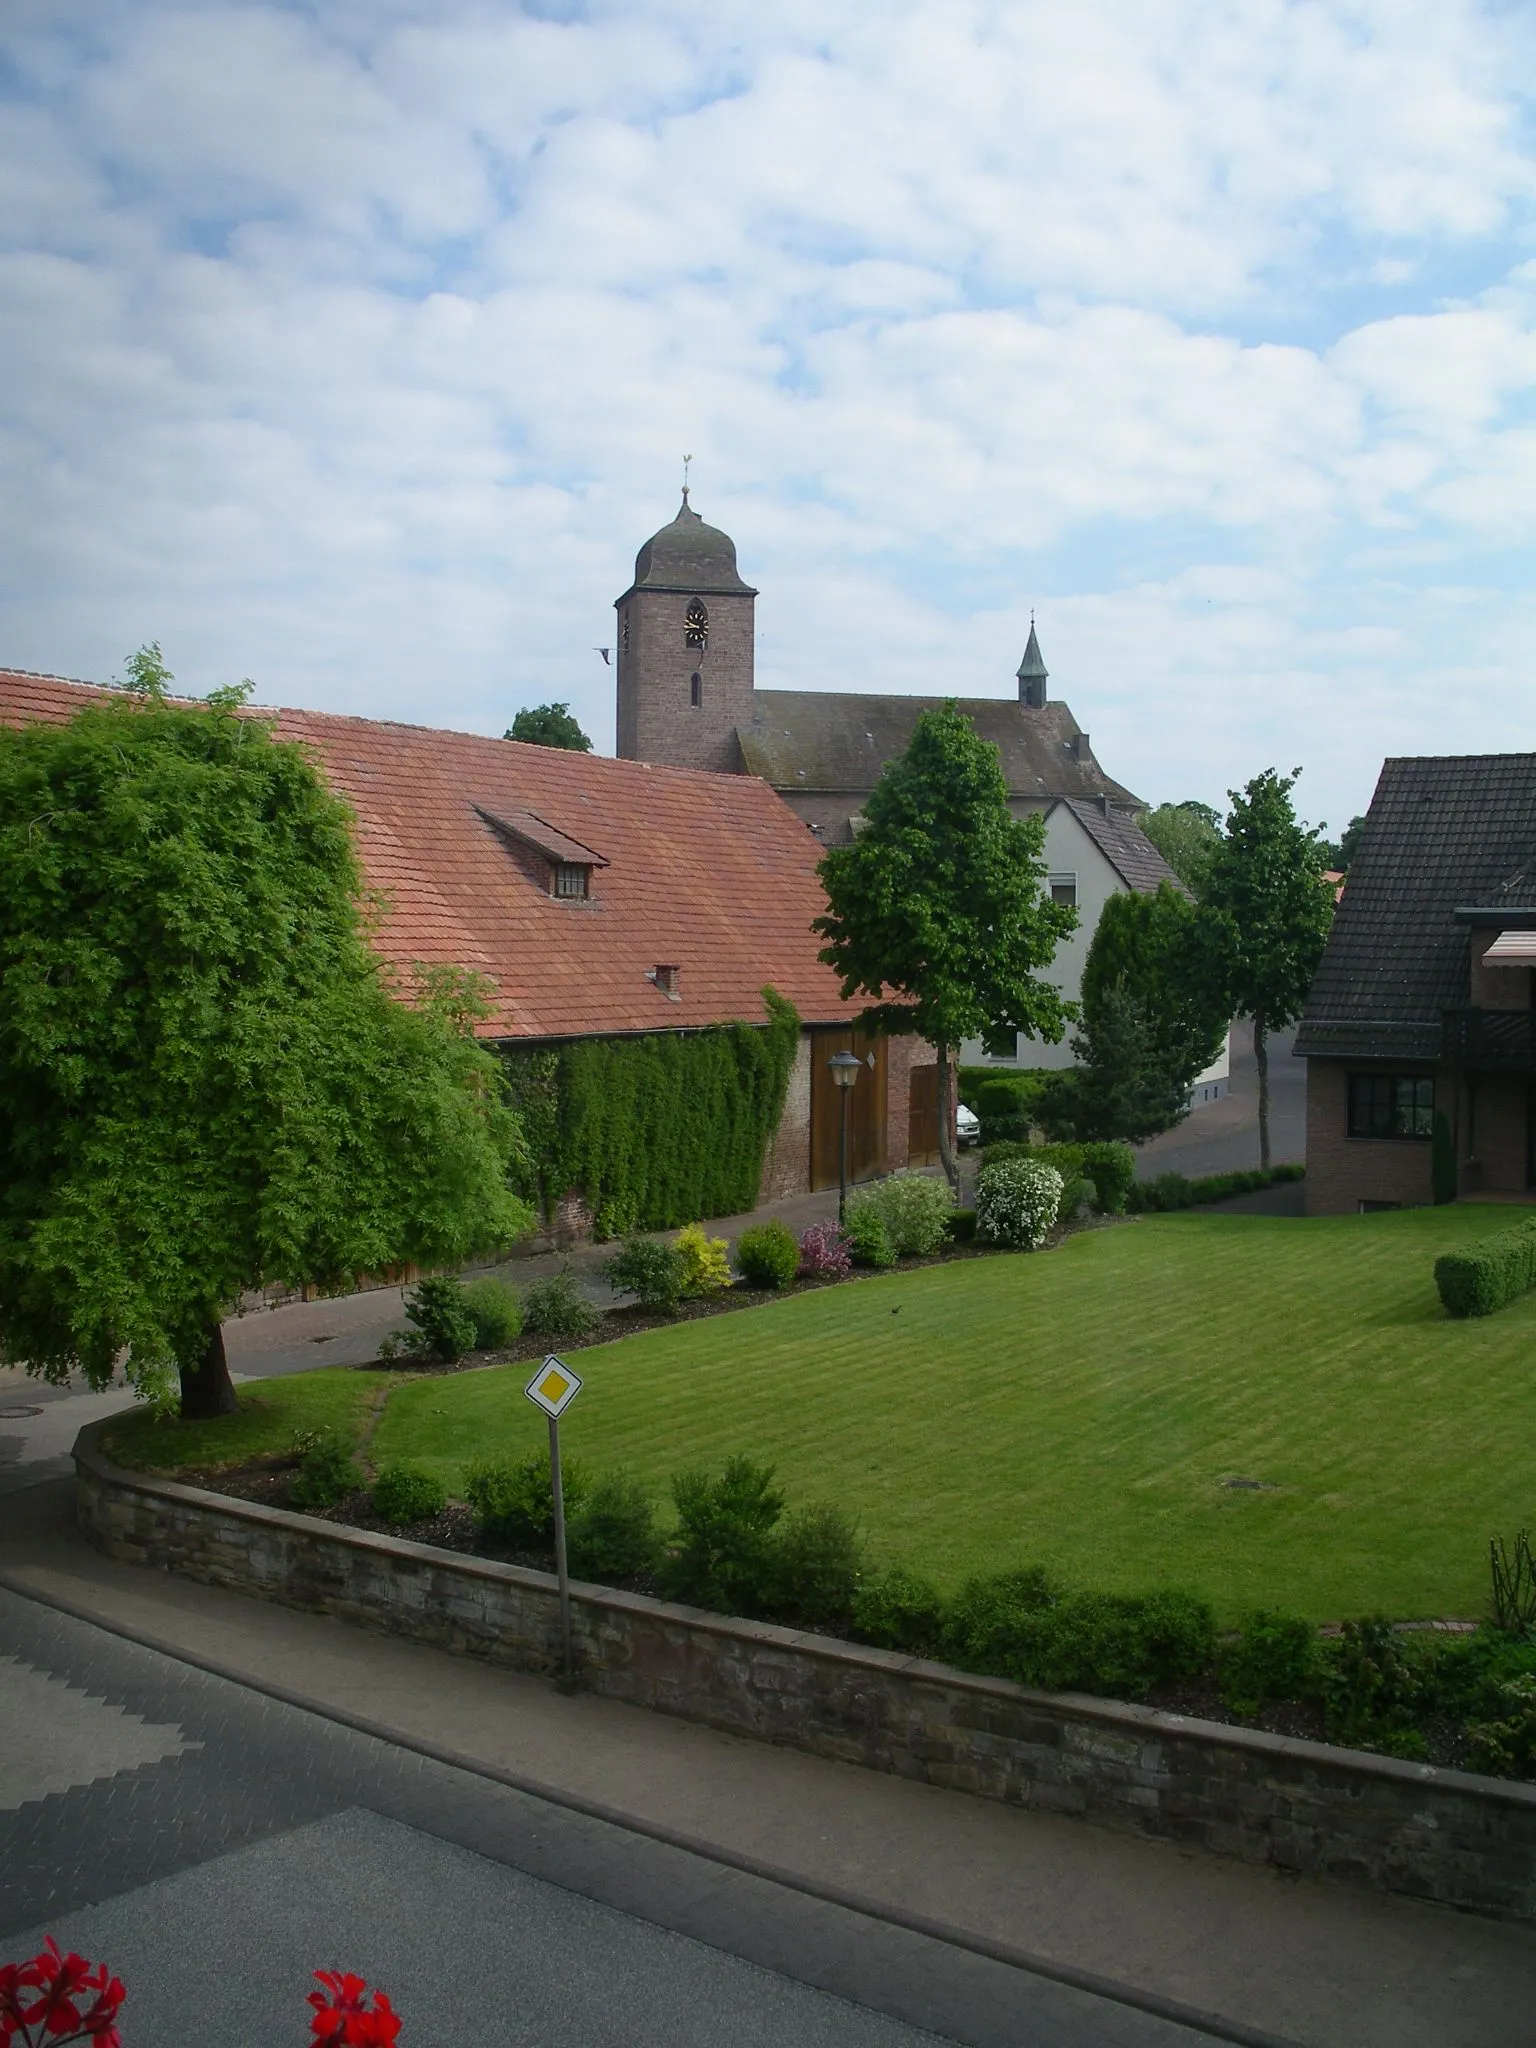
(712, 872)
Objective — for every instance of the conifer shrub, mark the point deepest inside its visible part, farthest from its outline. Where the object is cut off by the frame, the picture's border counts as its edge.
(496, 1312)
(442, 1325)
(556, 1311)
(768, 1255)
(405, 1493)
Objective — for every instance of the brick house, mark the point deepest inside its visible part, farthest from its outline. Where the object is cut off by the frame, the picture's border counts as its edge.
(603, 899)
(1421, 1010)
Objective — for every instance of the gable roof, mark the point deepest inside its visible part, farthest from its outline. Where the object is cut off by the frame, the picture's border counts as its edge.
(826, 740)
(1442, 833)
(1124, 845)
(711, 872)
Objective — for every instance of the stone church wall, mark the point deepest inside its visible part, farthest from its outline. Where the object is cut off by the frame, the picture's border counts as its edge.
(657, 718)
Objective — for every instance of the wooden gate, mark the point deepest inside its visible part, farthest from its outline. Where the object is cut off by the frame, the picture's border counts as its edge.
(866, 1107)
(923, 1118)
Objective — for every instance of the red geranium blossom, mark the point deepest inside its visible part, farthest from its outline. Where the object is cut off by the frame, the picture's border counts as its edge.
(64, 1998)
(343, 2017)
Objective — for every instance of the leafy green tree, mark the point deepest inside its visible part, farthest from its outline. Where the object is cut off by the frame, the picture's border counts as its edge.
(937, 909)
(1154, 1015)
(548, 725)
(1186, 835)
(1349, 839)
(1265, 887)
(206, 1083)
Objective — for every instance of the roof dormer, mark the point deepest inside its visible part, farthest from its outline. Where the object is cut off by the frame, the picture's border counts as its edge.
(551, 859)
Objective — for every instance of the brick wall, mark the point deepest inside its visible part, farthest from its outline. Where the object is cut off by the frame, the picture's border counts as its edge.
(657, 720)
(1299, 1806)
(1343, 1172)
(787, 1162)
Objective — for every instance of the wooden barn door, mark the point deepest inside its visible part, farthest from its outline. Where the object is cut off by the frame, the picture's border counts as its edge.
(923, 1118)
(866, 1107)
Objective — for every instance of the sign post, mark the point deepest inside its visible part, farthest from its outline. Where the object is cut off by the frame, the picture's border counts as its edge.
(553, 1388)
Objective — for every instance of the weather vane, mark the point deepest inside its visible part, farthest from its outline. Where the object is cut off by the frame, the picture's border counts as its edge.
(686, 460)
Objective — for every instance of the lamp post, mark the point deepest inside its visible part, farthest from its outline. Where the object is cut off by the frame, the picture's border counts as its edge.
(845, 1071)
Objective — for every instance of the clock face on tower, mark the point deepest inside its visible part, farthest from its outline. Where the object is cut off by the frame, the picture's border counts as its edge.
(695, 624)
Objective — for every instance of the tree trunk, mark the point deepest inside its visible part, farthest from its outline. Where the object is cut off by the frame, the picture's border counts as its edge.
(1261, 1061)
(206, 1388)
(947, 1159)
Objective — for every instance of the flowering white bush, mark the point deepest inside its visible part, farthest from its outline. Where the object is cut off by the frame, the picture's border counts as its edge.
(1017, 1201)
(915, 1209)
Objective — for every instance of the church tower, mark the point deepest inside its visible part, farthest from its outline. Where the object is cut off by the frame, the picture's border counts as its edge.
(1032, 673)
(684, 649)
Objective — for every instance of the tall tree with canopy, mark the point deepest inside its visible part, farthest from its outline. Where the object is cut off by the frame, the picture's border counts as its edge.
(937, 909)
(1265, 888)
(1186, 835)
(1155, 1011)
(206, 1082)
(548, 725)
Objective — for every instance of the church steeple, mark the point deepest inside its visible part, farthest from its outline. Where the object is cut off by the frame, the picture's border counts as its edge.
(1032, 673)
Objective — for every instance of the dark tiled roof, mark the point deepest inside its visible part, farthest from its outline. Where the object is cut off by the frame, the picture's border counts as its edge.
(711, 872)
(815, 739)
(1442, 832)
(687, 555)
(1124, 845)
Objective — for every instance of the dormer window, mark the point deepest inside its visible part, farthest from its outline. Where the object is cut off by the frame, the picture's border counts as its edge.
(695, 624)
(550, 858)
(573, 880)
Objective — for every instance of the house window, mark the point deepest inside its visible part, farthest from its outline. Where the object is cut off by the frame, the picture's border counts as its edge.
(1064, 890)
(1001, 1045)
(571, 881)
(695, 624)
(695, 689)
(1391, 1105)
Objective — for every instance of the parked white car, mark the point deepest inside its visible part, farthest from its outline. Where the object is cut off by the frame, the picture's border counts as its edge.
(967, 1126)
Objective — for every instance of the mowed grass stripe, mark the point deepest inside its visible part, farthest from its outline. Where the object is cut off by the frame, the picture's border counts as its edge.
(1083, 1407)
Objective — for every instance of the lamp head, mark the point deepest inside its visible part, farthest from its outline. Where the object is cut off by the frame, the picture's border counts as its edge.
(845, 1068)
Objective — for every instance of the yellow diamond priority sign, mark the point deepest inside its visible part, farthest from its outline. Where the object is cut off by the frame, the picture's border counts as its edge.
(554, 1386)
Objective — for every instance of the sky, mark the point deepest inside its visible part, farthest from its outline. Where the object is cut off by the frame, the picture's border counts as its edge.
(355, 346)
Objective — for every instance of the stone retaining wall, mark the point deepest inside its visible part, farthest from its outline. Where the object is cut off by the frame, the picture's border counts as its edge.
(1302, 1806)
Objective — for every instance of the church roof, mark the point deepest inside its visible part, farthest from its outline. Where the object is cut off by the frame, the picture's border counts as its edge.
(711, 873)
(686, 555)
(815, 739)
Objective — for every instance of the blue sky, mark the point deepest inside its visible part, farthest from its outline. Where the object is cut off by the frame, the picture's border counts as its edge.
(355, 348)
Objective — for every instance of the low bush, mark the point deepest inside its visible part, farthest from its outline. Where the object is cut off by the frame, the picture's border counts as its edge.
(960, 1225)
(768, 1255)
(723, 1554)
(404, 1493)
(1275, 1657)
(652, 1271)
(1173, 1191)
(706, 1262)
(556, 1311)
(1480, 1278)
(816, 1564)
(1506, 1745)
(915, 1209)
(1112, 1169)
(1077, 1197)
(496, 1312)
(1017, 1202)
(443, 1327)
(1006, 1103)
(1016, 1626)
(1371, 1689)
(611, 1534)
(898, 1609)
(869, 1242)
(327, 1473)
(514, 1499)
(826, 1252)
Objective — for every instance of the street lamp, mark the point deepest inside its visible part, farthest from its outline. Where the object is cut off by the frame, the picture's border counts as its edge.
(845, 1071)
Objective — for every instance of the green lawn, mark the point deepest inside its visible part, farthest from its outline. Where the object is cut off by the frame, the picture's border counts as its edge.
(271, 1414)
(1084, 1406)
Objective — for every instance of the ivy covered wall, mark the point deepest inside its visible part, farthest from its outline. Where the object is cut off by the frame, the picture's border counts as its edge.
(658, 1130)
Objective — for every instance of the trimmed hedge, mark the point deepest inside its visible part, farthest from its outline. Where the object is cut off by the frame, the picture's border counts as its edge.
(1174, 1191)
(1004, 1099)
(1489, 1273)
(1111, 1167)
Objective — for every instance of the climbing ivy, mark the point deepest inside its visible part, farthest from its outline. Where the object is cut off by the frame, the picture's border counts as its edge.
(657, 1130)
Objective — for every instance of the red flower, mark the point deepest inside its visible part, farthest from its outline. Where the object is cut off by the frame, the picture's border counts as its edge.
(72, 2000)
(343, 2017)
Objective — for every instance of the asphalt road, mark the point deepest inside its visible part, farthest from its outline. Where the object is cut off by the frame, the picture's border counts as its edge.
(1223, 1137)
(215, 1845)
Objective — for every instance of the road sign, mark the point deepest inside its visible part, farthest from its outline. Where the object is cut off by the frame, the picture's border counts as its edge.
(554, 1386)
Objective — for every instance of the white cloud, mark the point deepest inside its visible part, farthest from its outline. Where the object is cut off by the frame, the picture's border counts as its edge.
(355, 347)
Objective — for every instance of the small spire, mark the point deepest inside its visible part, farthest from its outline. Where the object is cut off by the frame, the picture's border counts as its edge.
(1032, 671)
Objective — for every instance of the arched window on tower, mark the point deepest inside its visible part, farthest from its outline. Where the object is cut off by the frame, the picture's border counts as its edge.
(695, 624)
(695, 689)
